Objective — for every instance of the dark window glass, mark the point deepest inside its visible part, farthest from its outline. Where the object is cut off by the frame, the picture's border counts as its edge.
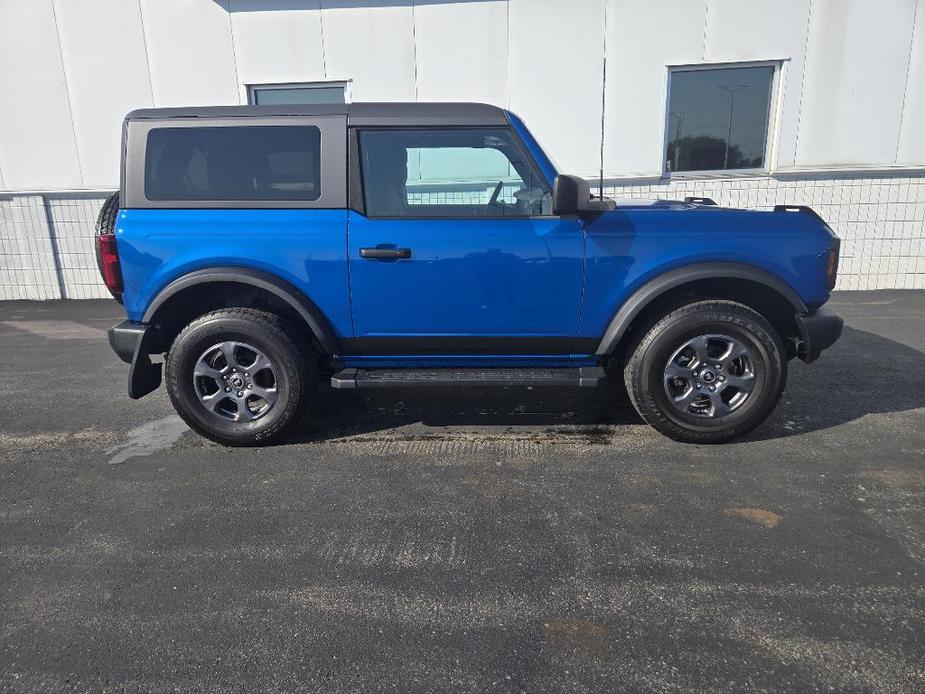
(718, 118)
(263, 162)
(450, 173)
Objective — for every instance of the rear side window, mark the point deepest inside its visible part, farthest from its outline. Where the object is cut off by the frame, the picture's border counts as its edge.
(264, 162)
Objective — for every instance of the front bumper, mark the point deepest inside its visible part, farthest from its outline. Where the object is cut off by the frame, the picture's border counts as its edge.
(134, 343)
(818, 331)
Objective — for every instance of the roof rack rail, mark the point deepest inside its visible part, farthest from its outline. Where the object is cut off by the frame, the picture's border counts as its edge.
(805, 209)
(699, 201)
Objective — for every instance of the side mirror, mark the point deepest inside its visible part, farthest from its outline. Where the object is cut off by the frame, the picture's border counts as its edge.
(570, 195)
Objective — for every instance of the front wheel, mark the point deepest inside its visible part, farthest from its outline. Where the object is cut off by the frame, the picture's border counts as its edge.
(707, 372)
(239, 376)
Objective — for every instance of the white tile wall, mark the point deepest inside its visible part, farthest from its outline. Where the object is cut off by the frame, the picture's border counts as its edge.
(880, 219)
(29, 266)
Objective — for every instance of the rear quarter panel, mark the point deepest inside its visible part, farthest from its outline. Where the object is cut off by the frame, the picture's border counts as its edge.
(305, 247)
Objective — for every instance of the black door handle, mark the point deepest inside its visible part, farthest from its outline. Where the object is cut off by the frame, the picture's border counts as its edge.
(385, 253)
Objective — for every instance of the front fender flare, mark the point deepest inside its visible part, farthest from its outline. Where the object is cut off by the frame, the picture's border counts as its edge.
(300, 303)
(657, 286)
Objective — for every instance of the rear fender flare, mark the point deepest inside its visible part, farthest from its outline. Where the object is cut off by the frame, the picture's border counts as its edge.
(316, 321)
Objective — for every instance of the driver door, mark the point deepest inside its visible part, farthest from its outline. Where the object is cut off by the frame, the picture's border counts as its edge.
(456, 250)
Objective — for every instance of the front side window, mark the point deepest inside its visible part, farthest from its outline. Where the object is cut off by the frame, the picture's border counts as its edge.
(718, 118)
(264, 162)
(465, 172)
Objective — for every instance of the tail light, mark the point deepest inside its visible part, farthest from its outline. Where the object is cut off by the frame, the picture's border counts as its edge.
(108, 254)
(831, 268)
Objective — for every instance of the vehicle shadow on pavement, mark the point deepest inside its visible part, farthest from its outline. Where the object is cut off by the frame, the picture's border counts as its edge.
(861, 374)
(571, 413)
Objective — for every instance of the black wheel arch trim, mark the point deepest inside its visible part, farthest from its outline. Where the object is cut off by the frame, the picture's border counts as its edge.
(654, 288)
(300, 303)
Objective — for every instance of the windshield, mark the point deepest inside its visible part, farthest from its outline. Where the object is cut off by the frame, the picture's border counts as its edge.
(548, 166)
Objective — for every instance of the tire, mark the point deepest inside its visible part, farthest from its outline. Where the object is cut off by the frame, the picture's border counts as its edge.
(106, 219)
(106, 224)
(269, 359)
(673, 382)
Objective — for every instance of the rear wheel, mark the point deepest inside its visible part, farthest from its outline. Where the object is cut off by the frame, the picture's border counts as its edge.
(239, 376)
(707, 372)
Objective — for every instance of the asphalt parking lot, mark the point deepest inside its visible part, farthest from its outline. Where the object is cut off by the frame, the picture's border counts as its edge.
(472, 540)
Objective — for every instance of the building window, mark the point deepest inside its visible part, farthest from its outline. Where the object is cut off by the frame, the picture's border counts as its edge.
(298, 93)
(718, 117)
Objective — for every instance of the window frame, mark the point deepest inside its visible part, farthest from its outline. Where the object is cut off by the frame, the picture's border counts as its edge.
(357, 175)
(252, 89)
(333, 161)
(770, 144)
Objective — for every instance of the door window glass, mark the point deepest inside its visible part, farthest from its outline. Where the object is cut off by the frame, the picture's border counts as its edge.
(450, 173)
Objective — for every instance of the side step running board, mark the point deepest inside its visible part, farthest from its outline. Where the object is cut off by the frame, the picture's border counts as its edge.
(583, 377)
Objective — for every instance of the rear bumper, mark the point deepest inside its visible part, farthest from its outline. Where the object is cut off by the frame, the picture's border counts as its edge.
(818, 331)
(133, 343)
(125, 337)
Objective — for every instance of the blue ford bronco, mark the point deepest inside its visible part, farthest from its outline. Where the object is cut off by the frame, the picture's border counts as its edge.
(262, 249)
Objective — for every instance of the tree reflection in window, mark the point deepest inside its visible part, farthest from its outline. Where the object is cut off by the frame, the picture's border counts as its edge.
(718, 118)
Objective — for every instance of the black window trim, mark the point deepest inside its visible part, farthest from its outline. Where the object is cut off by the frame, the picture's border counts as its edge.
(358, 199)
(770, 145)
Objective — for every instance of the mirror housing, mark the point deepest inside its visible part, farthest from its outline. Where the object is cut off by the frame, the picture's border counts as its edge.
(570, 195)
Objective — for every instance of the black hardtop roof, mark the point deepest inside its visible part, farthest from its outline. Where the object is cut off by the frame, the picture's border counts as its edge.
(361, 113)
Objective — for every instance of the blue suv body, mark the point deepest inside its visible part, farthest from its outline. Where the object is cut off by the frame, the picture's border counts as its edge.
(436, 244)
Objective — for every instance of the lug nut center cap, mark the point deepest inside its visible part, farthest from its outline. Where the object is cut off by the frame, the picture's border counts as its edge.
(708, 376)
(237, 381)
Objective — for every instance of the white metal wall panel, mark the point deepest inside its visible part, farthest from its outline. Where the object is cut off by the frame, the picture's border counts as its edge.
(751, 30)
(372, 42)
(642, 39)
(37, 147)
(190, 54)
(912, 136)
(103, 84)
(560, 94)
(280, 41)
(855, 79)
(461, 51)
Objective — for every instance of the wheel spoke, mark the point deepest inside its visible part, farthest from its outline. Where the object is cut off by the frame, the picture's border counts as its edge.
(699, 345)
(244, 412)
(228, 349)
(674, 370)
(204, 370)
(684, 400)
(213, 401)
(719, 408)
(260, 363)
(735, 350)
(268, 394)
(743, 384)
